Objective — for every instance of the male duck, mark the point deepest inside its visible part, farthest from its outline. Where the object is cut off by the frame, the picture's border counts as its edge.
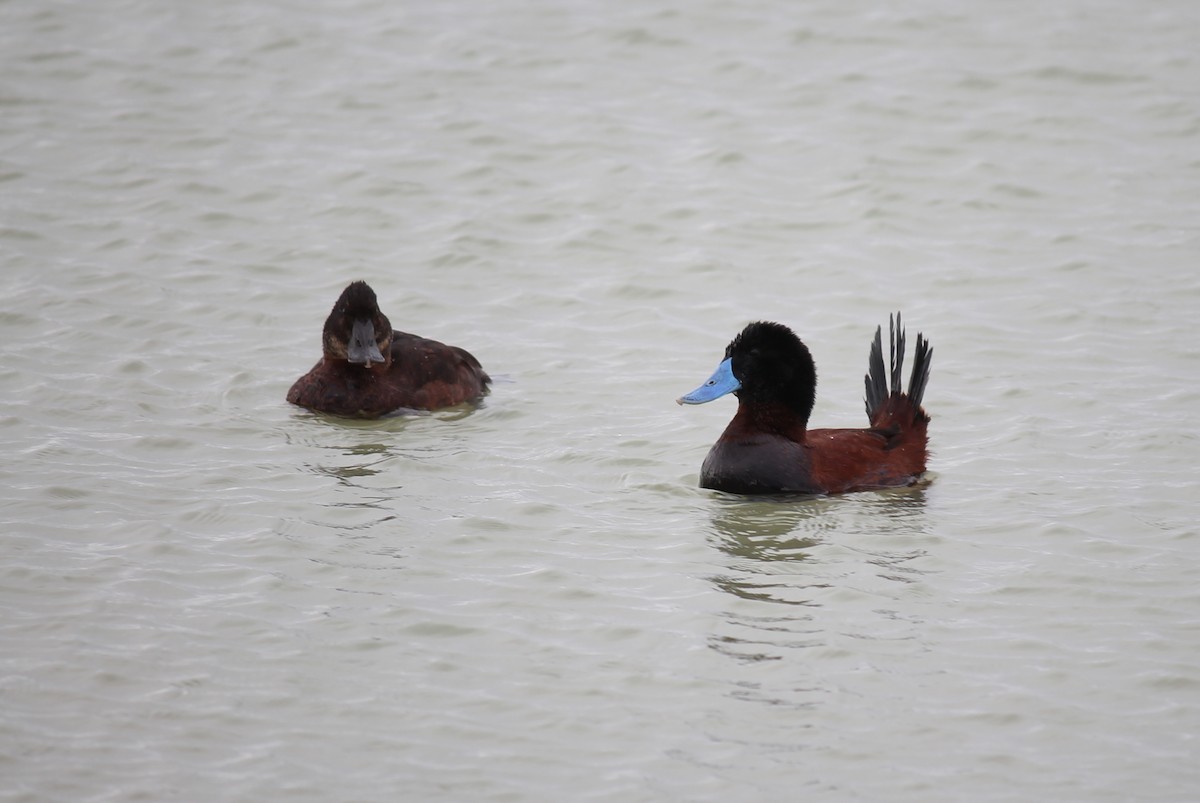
(768, 448)
(368, 370)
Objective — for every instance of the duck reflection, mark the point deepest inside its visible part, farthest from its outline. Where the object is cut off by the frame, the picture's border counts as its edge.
(767, 530)
(797, 555)
(763, 541)
(358, 509)
(348, 463)
(786, 528)
(355, 450)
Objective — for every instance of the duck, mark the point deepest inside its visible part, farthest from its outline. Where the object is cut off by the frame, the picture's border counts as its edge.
(768, 448)
(369, 370)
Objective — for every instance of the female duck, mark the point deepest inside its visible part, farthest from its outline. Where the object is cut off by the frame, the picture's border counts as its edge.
(368, 370)
(768, 448)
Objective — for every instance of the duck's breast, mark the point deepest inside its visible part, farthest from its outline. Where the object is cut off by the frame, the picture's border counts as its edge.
(758, 464)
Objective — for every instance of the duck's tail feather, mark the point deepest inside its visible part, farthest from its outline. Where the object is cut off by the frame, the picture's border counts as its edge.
(878, 388)
(922, 359)
(876, 380)
(896, 333)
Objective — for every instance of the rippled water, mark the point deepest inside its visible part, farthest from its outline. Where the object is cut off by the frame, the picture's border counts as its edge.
(208, 594)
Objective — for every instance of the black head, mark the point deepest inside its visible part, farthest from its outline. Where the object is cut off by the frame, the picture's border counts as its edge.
(772, 365)
(356, 331)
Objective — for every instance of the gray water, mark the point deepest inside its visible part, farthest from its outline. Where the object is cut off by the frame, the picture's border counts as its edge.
(208, 594)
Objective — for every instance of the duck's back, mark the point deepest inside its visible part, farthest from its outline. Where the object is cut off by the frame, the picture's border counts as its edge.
(429, 374)
(847, 460)
(423, 374)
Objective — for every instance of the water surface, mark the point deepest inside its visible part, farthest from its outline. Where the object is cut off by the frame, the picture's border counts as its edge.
(210, 594)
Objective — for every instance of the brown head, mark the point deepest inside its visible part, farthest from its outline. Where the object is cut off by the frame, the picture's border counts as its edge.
(356, 331)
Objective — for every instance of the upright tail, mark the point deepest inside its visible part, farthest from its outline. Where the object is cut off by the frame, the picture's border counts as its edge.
(878, 393)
